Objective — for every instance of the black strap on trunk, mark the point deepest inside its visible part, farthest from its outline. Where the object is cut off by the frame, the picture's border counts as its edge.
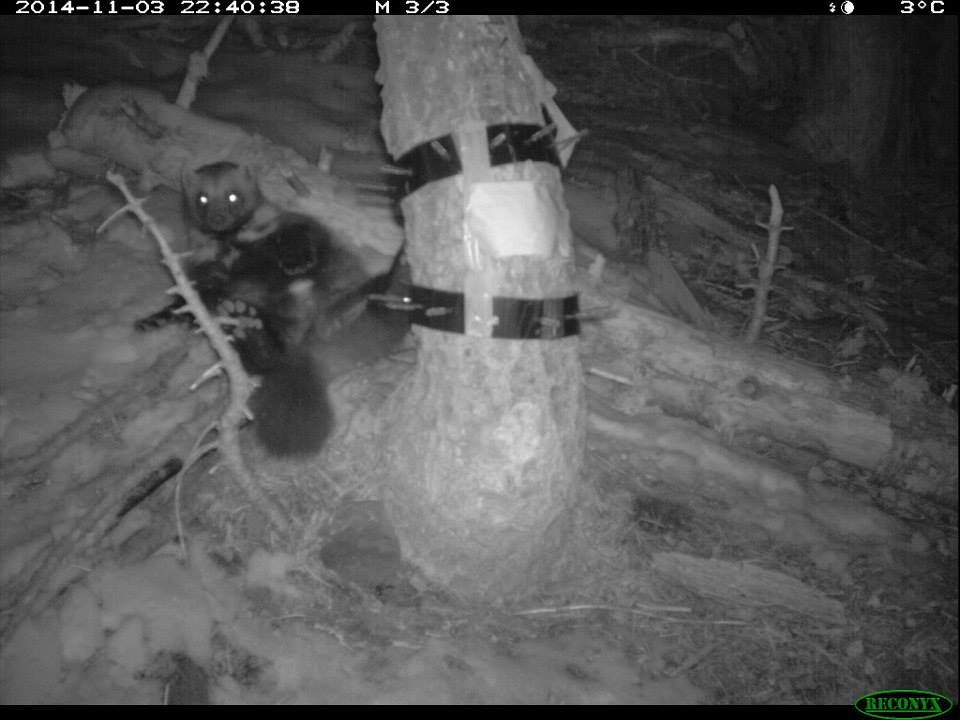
(518, 318)
(508, 143)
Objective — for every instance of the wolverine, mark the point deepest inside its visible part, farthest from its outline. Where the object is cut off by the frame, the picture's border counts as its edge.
(296, 299)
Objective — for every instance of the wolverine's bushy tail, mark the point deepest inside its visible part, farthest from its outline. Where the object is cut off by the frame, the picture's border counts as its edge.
(291, 408)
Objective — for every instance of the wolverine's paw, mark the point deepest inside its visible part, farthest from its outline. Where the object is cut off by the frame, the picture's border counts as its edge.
(242, 319)
(258, 349)
(162, 318)
(153, 322)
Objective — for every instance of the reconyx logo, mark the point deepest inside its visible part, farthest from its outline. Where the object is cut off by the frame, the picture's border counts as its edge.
(903, 704)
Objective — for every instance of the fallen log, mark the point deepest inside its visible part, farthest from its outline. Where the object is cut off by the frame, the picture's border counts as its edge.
(740, 391)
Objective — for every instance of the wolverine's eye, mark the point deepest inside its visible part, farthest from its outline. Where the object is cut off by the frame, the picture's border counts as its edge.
(202, 199)
(233, 198)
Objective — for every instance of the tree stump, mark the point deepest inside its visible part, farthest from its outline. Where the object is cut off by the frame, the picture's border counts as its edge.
(486, 441)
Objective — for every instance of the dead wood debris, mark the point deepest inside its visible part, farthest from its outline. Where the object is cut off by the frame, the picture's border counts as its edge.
(241, 385)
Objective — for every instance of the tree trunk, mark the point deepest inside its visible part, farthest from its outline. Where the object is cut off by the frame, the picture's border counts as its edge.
(854, 90)
(487, 439)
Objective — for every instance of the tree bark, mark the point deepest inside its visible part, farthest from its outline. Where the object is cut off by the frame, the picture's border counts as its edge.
(855, 87)
(488, 435)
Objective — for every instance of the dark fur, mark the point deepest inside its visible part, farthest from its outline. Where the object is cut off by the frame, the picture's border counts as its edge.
(221, 197)
(290, 292)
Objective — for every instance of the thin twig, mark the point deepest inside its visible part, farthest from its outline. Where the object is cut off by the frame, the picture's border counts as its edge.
(767, 266)
(241, 384)
(197, 65)
(648, 610)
